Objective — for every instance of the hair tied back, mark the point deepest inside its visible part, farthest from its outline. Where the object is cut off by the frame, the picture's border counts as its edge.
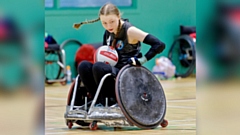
(77, 25)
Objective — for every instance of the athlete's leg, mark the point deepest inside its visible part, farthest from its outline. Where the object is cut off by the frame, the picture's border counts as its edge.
(86, 76)
(108, 88)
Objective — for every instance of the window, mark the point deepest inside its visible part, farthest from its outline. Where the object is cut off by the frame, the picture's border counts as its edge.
(85, 3)
(49, 3)
(92, 3)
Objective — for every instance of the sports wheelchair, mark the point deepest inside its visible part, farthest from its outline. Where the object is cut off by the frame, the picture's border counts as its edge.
(55, 63)
(182, 52)
(140, 100)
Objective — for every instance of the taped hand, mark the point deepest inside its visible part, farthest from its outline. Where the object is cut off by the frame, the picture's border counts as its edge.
(137, 61)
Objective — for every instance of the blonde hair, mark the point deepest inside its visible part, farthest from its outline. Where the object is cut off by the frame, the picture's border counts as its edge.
(107, 9)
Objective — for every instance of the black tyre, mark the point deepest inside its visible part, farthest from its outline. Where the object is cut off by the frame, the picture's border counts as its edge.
(183, 55)
(140, 97)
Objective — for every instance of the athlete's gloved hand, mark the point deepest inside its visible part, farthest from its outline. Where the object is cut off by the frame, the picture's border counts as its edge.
(137, 61)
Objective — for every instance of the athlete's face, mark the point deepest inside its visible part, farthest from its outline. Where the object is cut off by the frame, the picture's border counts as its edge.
(110, 22)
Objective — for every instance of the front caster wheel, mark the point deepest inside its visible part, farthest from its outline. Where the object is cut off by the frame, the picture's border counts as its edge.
(93, 125)
(164, 123)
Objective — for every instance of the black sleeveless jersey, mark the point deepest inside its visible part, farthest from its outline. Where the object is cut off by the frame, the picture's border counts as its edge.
(124, 49)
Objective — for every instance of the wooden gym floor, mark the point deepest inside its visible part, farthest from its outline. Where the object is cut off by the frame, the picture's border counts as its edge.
(181, 111)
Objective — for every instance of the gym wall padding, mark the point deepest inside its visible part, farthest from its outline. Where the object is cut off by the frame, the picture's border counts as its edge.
(161, 18)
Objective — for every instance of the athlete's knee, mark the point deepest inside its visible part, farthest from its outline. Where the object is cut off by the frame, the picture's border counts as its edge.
(98, 67)
(84, 66)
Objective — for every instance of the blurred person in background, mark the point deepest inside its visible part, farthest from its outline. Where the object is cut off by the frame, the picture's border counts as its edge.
(12, 51)
(21, 80)
(218, 67)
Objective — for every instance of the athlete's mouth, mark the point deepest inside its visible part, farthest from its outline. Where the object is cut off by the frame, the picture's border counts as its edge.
(110, 30)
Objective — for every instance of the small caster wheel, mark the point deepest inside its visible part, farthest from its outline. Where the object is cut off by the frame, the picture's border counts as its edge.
(63, 82)
(93, 125)
(164, 123)
(69, 124)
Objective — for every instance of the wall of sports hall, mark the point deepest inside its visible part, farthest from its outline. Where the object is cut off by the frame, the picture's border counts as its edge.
(161, 18)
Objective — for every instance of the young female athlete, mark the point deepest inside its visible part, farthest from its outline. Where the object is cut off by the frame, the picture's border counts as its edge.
(125, 38)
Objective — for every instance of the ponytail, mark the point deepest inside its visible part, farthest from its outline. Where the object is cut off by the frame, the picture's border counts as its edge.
(77, 25)
(115, 38)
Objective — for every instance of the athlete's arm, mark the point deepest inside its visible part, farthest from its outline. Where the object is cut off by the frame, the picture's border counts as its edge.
(135, 35)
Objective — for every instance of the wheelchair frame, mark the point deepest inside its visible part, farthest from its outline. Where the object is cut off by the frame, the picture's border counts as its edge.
(111, 116)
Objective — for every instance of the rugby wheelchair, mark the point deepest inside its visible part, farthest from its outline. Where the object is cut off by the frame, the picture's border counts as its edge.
(140, 101)
(55, 63)
(182, 52)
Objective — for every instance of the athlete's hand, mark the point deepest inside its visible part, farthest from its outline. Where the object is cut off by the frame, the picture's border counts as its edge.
(137, 61)
(134, 61)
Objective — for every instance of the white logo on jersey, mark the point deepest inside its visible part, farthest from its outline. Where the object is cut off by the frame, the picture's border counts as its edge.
(108, 41)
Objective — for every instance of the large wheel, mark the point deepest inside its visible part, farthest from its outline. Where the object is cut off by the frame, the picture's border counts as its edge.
(70, 47)
(81, 93)
(140, 96)
(183, 55)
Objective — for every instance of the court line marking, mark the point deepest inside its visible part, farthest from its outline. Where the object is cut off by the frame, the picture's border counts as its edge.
(179, 125)
(182, 100)
(182, 107)
(183, 120)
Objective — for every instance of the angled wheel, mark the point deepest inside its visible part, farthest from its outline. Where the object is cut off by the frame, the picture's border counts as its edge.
(140, 96)
(183, 55)
(81, 93)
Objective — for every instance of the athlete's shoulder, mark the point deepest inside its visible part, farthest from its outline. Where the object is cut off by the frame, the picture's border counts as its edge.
(136, 33)
(127, 24)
